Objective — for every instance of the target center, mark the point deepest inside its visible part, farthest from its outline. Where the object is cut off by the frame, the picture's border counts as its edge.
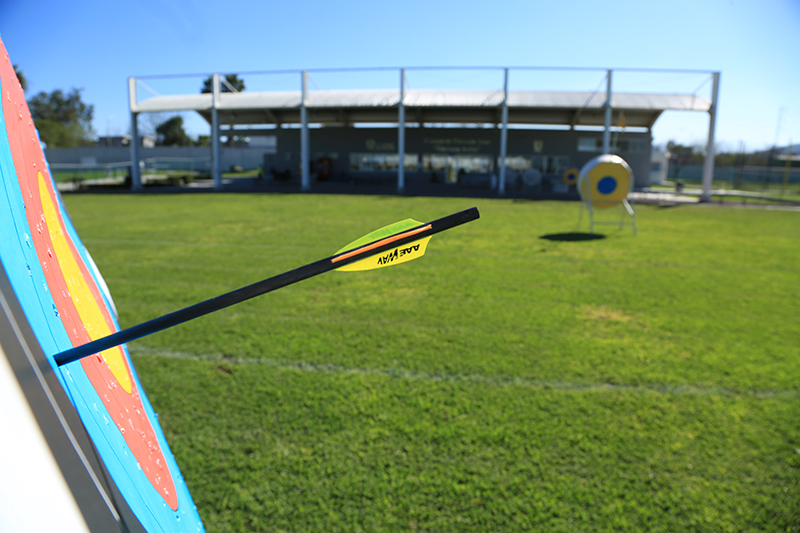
(607, 185)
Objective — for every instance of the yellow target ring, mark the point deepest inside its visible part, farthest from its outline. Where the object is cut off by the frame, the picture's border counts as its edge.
(605, 181)
(570, 176)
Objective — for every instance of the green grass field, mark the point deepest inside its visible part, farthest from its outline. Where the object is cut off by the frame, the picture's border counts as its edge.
(504, 382)
(61, 176)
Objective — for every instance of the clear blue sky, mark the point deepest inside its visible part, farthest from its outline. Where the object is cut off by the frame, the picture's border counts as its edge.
(97, 45)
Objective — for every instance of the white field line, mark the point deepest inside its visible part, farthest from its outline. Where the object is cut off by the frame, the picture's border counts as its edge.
(173, 244)
(502, 381)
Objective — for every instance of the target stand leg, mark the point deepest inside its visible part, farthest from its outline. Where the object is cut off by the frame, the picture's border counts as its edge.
(580, 216)
(625, 208)
(591, 217)
(632, 212)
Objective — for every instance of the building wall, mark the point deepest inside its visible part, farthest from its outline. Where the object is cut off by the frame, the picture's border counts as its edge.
(338, 144)
(658, 167)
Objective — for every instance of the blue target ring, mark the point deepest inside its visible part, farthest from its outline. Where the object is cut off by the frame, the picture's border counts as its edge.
(607, 185)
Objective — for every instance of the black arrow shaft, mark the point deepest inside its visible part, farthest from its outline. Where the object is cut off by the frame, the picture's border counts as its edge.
(265, 286)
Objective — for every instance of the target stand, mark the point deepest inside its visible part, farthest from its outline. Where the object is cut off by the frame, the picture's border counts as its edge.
(604, 182)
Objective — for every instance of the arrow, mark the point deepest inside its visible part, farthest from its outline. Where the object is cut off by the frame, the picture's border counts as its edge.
(394, 244)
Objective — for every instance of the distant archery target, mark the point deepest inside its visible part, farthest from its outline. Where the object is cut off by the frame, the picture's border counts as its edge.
(532, 178)
(570, 176)
(605, 181)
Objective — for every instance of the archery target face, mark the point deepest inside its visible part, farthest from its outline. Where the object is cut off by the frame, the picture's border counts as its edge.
(571, 176)
(605, 181)
(61, 296)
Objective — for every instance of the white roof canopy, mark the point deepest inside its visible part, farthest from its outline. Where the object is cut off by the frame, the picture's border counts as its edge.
(427, 106)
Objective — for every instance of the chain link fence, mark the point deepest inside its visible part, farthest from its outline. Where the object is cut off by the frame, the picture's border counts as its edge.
(154, 170)
(776, 179)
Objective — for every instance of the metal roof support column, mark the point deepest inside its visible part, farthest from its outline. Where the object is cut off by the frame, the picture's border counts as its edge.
(136, 175)
(304, 171)
(607, 130)
(215, 148)
(401, 135)
(501, 188)
(708, 164)
(136, 171)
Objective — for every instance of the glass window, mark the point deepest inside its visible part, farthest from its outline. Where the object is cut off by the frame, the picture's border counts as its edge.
(520, 163)
(589, 144)
(557, 164)
(546, 164)
(633, 146)
(637, 146)
(481, 164)
(434, 162)
(381, 162)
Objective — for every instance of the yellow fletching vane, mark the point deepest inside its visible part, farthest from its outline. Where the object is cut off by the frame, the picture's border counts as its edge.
(395, 256)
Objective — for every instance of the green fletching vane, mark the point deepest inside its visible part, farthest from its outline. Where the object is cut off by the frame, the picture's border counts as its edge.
(388, 231)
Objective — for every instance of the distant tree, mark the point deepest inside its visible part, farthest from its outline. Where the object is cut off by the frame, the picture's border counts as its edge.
(232, 79)
(203, 140)
(148, 122)
(63, 120)
(727, 158)
(171, 133)
(21, 77)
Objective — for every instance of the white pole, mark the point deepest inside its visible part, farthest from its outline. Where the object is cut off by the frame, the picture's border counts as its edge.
(708, 164)
(215, 148)
(501, 189)
(136, 175)
(607, 130)
(304, 170)
(401, 134)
